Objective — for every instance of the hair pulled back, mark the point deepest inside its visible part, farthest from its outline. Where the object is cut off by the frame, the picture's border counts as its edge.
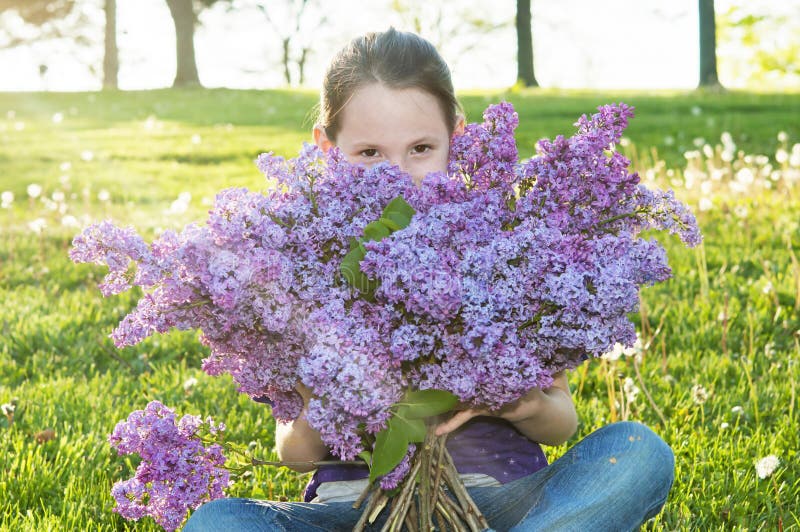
(398, 60)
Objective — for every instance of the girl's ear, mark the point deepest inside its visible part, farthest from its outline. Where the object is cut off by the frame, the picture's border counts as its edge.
(321, 139)
(460, 121)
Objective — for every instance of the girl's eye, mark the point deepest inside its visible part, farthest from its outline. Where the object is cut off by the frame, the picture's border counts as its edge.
(370, 152)
(421, 148)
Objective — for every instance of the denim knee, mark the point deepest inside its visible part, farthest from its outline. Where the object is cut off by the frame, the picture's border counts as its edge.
(654, 459)
(231, 514)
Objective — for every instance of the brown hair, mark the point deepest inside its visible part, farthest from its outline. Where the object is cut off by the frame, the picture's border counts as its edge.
(399, 60)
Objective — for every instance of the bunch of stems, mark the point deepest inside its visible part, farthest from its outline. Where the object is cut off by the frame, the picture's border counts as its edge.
(432, 492)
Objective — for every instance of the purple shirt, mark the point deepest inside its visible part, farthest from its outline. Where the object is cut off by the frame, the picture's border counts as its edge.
(487, 445)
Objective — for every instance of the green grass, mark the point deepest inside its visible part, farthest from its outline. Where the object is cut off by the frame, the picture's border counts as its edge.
(729, 319)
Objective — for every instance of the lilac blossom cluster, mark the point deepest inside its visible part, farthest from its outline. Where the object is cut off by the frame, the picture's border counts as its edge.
(177, 471)
(251, 277)
(508, 273)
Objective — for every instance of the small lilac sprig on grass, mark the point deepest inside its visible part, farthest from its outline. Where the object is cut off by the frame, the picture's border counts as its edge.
(177, 472)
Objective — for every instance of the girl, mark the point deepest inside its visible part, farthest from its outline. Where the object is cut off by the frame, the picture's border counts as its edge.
(389, 97)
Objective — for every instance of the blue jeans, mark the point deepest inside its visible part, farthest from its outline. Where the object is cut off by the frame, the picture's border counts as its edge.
(614, 479)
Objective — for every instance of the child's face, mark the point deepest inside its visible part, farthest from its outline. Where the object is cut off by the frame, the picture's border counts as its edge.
(405, 127)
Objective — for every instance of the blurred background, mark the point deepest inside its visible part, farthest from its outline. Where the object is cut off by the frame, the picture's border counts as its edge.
(207, 85)
(79, 45)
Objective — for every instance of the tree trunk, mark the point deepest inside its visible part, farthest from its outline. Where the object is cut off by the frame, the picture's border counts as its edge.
(287, 74)
(525, 73)
(184, 20)
(708, 45)
(111, 54)
(301, 65)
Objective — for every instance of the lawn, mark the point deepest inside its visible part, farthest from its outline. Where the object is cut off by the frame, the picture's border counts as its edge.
(717, 379)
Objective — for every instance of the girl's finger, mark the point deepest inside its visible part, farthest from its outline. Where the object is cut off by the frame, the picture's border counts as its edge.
(458, 419)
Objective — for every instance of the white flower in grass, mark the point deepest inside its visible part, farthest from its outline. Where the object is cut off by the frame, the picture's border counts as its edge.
(699, 394)
(37, 226)
(180, 205)
(104, 195)
(782, 136)
(696, 111)
(189, 383)
(619, 350)
(727, 154)
(781, 156)
(705, 204)
(794, 158)
(745, 176)
(49, 204)
(66, 166)
(6, 199)
(58, 118)
(19, 126)
(767, 288)
(724, 425)
(70, 221)
(767, 465)
(87, 155)
(630, 389)
(7, 409)
(34, 190)
(616, 352)
(196, 139)
(58, 196)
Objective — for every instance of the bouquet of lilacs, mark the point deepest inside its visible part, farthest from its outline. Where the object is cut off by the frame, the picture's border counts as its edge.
(392, 302)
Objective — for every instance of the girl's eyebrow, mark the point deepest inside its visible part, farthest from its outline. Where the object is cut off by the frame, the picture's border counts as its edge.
(427, 139)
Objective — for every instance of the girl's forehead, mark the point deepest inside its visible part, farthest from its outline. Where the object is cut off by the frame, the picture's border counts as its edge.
(376, 108)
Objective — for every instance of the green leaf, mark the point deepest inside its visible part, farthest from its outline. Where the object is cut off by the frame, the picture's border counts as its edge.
(420, 404)
(414, 430)
(390, 448)
(399, 206)
(390, 224)
(366, 456)
(399, 212)
(375, 231)
(351, 267)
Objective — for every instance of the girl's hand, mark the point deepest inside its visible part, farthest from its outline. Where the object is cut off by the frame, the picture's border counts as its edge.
(525, 407)
(546, 416)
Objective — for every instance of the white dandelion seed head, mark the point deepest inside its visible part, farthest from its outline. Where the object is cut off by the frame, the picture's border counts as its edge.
(767, 465)
(34, 190)
(6, 199)
(699, 394)
(37, 226)
(189, 383)
(70, 221)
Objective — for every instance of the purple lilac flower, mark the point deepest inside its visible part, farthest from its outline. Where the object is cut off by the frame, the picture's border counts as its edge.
(177, 472)
(393, 478)
(113, 246)
(351, 374)
(508, 273)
